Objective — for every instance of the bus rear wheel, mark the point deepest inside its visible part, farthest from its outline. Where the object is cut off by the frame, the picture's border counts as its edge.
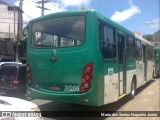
(153, 74)
(133, 89)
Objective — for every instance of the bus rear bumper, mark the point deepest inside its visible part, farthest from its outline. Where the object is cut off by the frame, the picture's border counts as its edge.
(87, 98)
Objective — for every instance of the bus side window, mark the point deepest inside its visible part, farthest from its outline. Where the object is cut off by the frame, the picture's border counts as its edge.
(149, 53)
(107, 42)
(131, 52)
(138, 48)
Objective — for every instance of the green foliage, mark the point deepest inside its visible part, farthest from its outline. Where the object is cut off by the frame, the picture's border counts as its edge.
(23, 35)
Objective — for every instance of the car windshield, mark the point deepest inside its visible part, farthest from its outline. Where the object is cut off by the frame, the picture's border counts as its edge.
(8, 71)
(22, 75)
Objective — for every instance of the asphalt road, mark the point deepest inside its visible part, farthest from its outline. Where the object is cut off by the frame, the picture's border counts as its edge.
(147, 99)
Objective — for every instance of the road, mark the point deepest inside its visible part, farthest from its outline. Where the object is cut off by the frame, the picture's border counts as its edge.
(147, 99)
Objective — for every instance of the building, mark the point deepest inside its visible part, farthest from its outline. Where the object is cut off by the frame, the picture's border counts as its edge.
(10, 21)
(138, 33)
(156, 39)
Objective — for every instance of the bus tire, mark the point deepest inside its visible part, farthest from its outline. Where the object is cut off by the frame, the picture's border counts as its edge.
(153, 74)
(133, 89)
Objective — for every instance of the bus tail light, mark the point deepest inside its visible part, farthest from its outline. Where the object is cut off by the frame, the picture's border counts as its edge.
(87, 77)
(29, 76)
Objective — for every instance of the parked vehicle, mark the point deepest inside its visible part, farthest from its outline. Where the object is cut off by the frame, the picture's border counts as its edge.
(18, 109)
(2, 63)
(13, 79)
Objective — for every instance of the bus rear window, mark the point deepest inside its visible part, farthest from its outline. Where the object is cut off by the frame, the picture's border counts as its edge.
(59, 32)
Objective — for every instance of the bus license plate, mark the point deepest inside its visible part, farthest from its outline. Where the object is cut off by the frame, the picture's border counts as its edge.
(56, 88)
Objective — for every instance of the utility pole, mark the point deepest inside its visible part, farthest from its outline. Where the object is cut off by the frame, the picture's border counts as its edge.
(42, 2)
(21, 17)
(14, 23)
(42, 8)
(19, 26)
(9, 32)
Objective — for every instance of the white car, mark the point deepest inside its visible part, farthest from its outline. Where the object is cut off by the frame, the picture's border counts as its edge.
(1, 63)
(18, 109)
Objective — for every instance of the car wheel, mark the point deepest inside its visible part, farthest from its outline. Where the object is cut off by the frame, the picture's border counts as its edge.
(27, 97)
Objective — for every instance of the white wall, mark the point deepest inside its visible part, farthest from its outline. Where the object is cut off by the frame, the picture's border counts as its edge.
(7, 22)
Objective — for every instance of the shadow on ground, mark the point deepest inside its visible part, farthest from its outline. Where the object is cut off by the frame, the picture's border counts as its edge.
(59, 107)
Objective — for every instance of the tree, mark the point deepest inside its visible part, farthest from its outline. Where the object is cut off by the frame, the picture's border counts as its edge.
(22, 44)
(23, 35)
(148, 37)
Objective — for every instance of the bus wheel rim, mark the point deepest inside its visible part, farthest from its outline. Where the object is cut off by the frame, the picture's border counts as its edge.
(133, 89)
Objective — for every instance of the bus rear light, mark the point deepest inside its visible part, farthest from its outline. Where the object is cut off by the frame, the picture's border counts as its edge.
(87, 77)
(87, 85)
(88, 69)
(29, 75)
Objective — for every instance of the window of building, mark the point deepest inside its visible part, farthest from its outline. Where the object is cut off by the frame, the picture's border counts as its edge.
(156, 44)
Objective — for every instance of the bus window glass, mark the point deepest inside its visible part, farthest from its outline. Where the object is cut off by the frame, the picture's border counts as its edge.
(152, 53)
(138, 44)
(108, 35)
(130, 42)
(131, 48)
(138, 50)
(149, 52)
(59, 32)
(107, 42)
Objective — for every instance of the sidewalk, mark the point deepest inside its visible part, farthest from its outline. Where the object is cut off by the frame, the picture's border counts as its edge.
(146, 100)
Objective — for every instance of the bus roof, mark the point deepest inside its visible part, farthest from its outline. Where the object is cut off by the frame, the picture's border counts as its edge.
(114, 24)
(63, 13)
(142, 39)
(71, 12)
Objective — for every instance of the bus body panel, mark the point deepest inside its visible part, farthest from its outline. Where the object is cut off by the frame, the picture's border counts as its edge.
(61, 78)
(66, 70)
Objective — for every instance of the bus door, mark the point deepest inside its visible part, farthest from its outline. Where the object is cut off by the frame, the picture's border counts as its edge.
(145, 61)
(155, 61)
(121, 64)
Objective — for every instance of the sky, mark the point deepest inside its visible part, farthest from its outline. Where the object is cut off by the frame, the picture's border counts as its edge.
(131, 14)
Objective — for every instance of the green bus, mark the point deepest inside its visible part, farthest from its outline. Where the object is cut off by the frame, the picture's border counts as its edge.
(157, 58)
(84, 58)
